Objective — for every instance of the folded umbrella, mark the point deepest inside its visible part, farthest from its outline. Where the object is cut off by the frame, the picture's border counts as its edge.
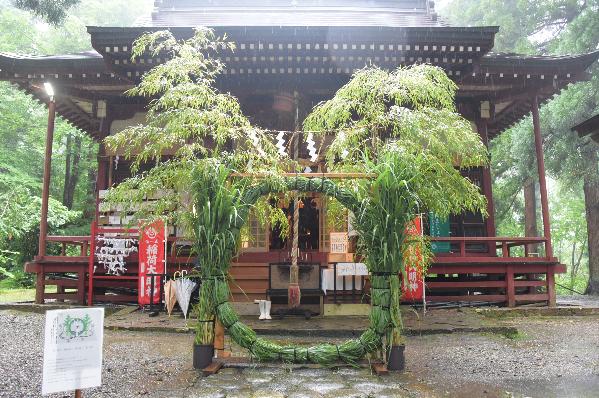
(170, 296)
(184, 288)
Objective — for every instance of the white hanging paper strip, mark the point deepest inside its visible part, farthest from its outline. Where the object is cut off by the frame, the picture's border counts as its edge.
(111, 253)
(281, 143)
(254, 138)
(311, 147)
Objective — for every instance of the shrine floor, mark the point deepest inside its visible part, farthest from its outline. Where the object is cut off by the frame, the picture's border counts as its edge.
(549, 356)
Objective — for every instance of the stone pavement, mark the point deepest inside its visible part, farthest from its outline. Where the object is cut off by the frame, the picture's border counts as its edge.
(281, 382)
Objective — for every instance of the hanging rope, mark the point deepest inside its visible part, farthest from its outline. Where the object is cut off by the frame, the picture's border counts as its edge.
(293, 291)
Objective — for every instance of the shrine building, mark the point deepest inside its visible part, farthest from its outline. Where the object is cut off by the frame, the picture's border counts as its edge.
(289, 56)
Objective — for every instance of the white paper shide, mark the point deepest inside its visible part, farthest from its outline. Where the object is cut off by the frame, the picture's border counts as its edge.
(73, 349)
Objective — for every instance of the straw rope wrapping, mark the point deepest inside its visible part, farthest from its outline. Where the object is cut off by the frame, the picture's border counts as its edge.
(384, 314)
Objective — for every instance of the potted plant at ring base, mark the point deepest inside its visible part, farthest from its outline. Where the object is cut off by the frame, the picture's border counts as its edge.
(203, 346)
(395, 356)
(397, 342)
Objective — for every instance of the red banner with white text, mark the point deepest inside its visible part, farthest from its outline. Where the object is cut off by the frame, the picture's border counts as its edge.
(412, 286)
(152, 261)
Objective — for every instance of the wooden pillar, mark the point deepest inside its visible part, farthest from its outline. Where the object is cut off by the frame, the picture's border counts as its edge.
(487, 186)
(542, 180)
(81, 275)
(46, 180)
(530, 213)
(551, 286)
(510, 286)
(219, 339)
(40, 284)
(41, 276)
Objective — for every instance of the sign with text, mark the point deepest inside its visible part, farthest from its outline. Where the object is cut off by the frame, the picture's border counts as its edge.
(348, 269)
(413, 285)
(73, 349)
(338, 242)
(152, 261)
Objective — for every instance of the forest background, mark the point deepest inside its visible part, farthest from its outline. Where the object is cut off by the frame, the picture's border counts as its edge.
(548, 27)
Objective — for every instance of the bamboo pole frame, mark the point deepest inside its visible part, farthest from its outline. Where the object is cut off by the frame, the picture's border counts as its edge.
(308, 175)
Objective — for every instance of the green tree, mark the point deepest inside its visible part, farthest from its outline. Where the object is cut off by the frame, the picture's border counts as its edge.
(53, 11)
(23, 124)
(19, 228)
(549, 27)
(570, 235)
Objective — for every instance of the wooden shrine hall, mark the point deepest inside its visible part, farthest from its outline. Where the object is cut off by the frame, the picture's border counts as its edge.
(291, 55)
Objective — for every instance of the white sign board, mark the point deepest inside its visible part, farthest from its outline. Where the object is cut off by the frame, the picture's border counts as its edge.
(361, 269)
(338, 242)
(347, 269)
(73, 349)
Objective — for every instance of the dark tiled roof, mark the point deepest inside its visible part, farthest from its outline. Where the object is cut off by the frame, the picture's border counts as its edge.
(589, 127)
(515, 60)
(76, 56)
(91, 60)
(397, 13)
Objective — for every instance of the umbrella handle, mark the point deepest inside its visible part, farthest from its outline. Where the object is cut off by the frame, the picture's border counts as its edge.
(183, 273)
(175, 274)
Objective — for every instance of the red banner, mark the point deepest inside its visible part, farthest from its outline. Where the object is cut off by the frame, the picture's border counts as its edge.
(152, 261)
(413, 287)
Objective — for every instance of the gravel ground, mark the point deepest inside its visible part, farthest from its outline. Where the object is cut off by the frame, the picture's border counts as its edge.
(553, 357)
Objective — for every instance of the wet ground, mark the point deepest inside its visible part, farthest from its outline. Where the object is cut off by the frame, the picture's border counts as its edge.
(415, 323)
(550, 357)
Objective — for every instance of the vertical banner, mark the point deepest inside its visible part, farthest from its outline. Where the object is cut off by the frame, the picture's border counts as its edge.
(152, 261)
(72, 349)
(412, 286)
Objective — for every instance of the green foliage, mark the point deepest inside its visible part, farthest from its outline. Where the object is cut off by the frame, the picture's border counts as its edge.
(569, 236)
(404, 125)
(19, 229)
(549, 27)
(63, 13)
(23, 124)
(525, 26)
(189, 119)
(53, 11)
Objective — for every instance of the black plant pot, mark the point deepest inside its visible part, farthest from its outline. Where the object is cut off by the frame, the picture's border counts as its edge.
(397, 360)
(202, 355)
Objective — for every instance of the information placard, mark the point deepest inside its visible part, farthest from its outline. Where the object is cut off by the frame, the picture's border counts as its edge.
(73, 349)
(338, 242)
(348, 269)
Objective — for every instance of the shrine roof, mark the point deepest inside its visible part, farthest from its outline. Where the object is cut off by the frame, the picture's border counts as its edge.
(589, 127)
(509, 81)
(392, 13)
(514, 60)
(49, 63)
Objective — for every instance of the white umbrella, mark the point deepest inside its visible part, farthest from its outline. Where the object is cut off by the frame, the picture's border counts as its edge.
(183, 289)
